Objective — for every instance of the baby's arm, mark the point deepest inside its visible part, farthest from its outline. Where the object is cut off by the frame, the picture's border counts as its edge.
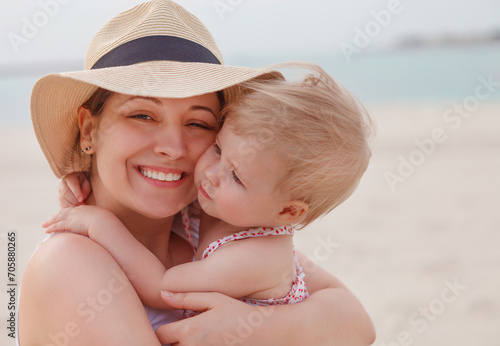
(237, 269)
(258, 267)
(143, 269)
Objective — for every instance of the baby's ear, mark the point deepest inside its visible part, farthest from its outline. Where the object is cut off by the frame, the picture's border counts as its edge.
(293, 213)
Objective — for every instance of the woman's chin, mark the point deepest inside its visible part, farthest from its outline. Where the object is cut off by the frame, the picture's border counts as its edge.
(163, 209)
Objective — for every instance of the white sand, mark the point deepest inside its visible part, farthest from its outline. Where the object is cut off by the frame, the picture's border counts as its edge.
(398, 251)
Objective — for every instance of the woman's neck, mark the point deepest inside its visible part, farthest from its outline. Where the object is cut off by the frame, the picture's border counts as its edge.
(154, 234)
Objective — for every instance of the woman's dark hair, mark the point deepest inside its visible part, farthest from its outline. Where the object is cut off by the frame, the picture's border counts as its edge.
(95, 104)
(220, 95)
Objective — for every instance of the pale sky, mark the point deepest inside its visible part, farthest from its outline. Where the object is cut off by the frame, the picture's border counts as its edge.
(247, 28)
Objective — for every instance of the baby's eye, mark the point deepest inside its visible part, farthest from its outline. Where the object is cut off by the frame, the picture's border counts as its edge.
(235, 178)
(217, 149)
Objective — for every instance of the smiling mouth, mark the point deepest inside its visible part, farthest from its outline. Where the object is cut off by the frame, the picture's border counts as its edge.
(160, 176)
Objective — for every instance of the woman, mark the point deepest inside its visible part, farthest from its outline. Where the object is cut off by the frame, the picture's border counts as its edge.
(164, 71)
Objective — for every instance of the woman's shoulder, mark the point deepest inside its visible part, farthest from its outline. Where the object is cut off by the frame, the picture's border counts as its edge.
(54, 263)
(60, 251)
(57, 244)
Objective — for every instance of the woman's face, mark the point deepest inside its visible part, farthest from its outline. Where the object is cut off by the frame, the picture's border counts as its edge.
(146, 149)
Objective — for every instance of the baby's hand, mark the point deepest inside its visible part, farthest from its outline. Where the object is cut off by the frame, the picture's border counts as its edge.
(77, 220)
(73, 190)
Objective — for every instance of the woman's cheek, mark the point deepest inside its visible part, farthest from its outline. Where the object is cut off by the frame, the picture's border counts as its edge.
(202, 142)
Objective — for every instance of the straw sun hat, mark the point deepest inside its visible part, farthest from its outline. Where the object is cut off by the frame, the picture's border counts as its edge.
(155, 49)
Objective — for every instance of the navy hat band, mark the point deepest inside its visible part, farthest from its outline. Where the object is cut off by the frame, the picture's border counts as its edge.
(152, 48)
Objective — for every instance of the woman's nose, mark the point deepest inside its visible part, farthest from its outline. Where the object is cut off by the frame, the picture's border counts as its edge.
(171, 142)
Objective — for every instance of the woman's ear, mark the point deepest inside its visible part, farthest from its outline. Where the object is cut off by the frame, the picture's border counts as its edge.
(293, 213)
(87, 124)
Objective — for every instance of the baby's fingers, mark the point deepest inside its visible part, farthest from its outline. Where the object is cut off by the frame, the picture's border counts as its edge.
(57, 227)
(67, 197)
(73, 190)
(50, 221)
(61, 215)
(86, 189)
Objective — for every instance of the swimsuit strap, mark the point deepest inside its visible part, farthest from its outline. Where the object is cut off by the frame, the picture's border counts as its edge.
(187, 228)
(249, 233)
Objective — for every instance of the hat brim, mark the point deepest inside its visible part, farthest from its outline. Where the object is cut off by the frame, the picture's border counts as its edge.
(55, 98)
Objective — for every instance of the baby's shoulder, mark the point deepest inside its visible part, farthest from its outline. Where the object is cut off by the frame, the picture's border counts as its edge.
(275, 251)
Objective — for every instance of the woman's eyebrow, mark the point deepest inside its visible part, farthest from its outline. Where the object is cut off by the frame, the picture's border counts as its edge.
(147, 98)
(198, 107)
(158, 102)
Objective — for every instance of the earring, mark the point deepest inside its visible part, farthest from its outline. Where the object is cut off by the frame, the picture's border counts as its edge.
(87, 148)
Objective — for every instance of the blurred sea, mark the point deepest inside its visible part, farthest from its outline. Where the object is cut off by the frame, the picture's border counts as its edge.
(409, 75)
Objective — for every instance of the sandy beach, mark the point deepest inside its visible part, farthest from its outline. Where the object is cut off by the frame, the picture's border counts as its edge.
(417, 242)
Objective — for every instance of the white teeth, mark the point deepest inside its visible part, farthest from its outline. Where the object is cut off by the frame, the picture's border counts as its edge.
(161, 176)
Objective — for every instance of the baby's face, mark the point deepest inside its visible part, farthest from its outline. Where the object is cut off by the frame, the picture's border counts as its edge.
(237, 180)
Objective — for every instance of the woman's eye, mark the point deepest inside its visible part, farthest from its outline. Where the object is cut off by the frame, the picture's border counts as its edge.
(235, 178)
(202, 126)
(141, 116)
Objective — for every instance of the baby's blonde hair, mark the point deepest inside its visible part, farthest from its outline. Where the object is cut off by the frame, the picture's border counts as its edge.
(320, 131)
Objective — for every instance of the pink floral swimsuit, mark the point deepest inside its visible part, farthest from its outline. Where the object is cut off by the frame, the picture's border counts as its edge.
(297, 293)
